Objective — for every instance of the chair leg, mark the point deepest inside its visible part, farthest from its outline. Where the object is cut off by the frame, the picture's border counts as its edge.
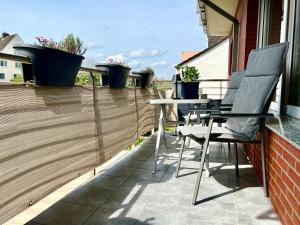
(180, 156)
(198, 180)
(164, 139)
(205, 147)
(188, 143)
(236, 160)
(207, 173)
(263, 162)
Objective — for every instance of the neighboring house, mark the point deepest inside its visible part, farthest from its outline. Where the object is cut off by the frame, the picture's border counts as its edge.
(8, 69)
(212, 63)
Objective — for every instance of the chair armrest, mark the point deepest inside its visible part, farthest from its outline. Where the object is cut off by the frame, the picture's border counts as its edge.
(203, 110)
(236, 115)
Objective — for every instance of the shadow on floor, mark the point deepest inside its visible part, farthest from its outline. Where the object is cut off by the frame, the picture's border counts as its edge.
(128, 193)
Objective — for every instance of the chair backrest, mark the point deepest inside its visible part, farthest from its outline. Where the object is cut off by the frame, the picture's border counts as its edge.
(264, 68)
(233, 87)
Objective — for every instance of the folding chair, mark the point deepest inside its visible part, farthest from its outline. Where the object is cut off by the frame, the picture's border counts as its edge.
(249, 110)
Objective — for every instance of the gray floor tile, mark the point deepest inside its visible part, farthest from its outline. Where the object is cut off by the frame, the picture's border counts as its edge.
(216, 212)
(118, 172)
(251, 214)
(106, 182)
(65, 213)
(162, 219)
(105, 216)
(134, 198)
(93, 197)
(142, 174)
(128, 193)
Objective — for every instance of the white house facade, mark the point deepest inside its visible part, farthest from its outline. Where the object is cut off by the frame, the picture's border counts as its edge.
(9, 69)
(212, 63)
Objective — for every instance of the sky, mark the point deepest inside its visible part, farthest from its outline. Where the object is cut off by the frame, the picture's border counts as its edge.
(140, 33)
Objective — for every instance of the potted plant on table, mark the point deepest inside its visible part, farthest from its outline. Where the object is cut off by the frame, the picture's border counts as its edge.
(189, 86)
(117, 72)
(146, 77)
(54, 63)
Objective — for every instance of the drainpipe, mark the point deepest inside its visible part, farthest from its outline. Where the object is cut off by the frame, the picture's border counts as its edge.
(235, 30)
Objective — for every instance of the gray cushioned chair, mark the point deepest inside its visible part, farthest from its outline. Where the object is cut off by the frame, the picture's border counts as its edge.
(249, 110)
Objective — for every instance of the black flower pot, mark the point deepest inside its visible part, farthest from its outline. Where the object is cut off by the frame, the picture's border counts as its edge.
(117, 74)
(105, 80)
(186, 90)
(146, 79)
(189, 90)
(51, 67)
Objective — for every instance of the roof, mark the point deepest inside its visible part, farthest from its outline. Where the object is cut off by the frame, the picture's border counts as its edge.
(202, 52)
(4, 41)
(213, 23)
(188, 54)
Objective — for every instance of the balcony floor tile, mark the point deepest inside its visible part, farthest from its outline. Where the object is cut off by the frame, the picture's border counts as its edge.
(128, 193)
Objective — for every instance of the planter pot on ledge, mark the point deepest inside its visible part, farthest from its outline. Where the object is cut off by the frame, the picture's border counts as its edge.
(117, 74)
(145, 80)
(51, 67)
(189, 90)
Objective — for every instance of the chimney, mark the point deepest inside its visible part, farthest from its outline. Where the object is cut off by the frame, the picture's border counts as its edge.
(4, 34)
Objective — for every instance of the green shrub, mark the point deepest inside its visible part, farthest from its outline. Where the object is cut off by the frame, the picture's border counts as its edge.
(188, 73)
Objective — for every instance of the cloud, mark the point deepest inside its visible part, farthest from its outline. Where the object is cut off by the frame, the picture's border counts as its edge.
(160, 64)
(99, 55)
(93, 46)
(142, 53)
(134, 63)
(118, 57)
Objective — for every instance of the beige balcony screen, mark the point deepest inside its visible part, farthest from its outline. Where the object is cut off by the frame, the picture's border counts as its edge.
(50, 136)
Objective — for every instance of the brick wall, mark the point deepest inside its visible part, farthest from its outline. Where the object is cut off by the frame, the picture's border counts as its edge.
(247, 14)
(283, 159)
(283, 173)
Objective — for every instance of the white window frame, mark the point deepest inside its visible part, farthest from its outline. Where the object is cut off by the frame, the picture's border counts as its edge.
(4, 62)
(294, 9)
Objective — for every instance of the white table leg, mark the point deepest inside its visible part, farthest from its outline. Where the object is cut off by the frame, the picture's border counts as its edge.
(159, 133)
(164, 117)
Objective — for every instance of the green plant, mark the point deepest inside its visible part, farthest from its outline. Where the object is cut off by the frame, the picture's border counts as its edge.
(17, 79)
(73, 45)
(70, 44)
(137, 142)
(85, 79)
(149, 70)
(188, 73)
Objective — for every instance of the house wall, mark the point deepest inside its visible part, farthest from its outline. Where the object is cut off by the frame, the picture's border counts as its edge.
(11, 69)
(212, 65)
(282, 158)
(247, 14)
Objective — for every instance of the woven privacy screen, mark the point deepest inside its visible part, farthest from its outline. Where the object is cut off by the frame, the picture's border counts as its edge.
(50, 136)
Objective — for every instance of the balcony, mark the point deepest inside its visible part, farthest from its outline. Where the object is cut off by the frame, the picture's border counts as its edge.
(126, 192)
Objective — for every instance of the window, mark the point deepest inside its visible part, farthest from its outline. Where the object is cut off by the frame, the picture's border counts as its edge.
(17, 65)
(3, 63)
(271, 27)
(294, 98)
(2, 76)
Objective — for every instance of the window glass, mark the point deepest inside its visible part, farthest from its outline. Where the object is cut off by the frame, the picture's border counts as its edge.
(295, 81)
(18, 65)
(3, 63)
(2, 76)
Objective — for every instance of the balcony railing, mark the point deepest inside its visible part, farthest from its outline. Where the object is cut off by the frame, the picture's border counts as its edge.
(51, 135)
(25, 60)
